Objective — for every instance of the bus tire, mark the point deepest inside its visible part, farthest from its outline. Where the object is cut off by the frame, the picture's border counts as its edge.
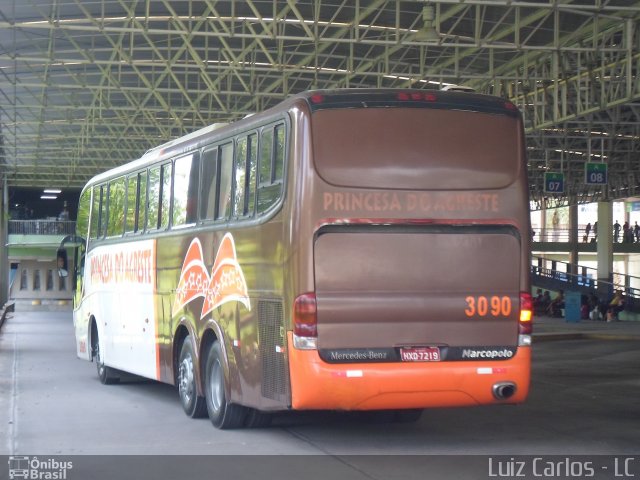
(257, 419)
(106, 375)
(194, 405)
(222, 413)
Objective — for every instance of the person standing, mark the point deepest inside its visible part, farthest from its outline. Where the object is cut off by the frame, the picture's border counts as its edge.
(64, 214)
(587, 231)
(627, 233)
(616, 231)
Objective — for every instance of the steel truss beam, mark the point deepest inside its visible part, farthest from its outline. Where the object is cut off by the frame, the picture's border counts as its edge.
(89, 85)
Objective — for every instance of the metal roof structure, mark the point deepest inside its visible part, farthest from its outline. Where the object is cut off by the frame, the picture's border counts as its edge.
(86, 85)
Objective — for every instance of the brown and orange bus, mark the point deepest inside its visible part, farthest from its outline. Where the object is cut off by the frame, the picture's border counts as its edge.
(362, 249)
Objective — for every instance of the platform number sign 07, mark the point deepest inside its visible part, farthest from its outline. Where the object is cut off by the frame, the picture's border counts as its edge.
(595, 173)
(554, 182)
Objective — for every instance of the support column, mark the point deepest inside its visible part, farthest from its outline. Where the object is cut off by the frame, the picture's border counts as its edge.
(4, 252)
(627, 220)
(574, 238)
(605, 247)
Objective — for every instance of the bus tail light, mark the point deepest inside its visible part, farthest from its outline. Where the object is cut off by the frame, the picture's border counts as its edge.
(510, 106)
(417, 96)
(526, 319)
(305, 322)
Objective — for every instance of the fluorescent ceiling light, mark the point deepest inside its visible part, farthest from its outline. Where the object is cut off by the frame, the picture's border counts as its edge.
(428, 32)
(52, 190)
(48, 197)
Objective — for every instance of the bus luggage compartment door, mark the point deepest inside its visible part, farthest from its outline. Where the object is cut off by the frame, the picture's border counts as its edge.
(389, 287)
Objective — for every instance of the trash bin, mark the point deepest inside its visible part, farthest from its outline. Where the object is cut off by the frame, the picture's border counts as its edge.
(572, 303)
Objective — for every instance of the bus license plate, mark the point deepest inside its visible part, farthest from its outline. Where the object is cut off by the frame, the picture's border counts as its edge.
(420, 354)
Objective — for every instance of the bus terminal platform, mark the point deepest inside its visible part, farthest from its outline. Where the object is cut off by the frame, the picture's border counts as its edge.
(545, 328)
(583, 400)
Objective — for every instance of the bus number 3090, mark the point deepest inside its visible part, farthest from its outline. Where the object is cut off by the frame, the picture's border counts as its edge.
(482, 306)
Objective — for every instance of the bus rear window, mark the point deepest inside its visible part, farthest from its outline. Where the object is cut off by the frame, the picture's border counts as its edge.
(416, 148)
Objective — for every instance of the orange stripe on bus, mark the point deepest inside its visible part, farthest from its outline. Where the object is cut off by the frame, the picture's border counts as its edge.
(317, 385)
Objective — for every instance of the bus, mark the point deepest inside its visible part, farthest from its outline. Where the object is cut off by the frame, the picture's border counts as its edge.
(346, 250)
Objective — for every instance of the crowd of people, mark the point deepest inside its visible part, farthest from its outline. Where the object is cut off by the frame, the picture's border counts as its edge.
(592, 308)
(630, 234)
(543, 304)
(625, 233)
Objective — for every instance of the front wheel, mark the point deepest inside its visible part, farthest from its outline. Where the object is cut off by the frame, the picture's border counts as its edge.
(194, 406)
(222, 413)
(107, 375)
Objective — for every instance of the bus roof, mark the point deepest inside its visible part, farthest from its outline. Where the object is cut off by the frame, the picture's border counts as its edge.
(330, 99)
(439, 99)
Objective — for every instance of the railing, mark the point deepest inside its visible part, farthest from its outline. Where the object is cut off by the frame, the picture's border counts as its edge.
(42, 227)
(551, 235)
(564, 235)
(584, 279)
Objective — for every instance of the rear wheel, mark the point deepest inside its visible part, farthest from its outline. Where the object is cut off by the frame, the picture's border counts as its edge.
(107, 375)
(193, 405)
(222, 413)
(257, 419)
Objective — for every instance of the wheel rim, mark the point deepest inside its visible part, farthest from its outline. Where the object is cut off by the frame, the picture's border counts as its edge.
(217, 385)
(185, 382)
(99, 360)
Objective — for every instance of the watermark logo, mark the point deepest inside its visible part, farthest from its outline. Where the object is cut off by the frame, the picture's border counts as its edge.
(38, 469)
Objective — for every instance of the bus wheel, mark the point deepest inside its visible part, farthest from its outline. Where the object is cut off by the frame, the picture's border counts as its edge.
(107, 375)
(223, 414)
(257, 419)
(193, 405)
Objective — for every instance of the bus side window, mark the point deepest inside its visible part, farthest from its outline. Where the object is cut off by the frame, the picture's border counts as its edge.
(184, 193)
(278, 161)
(115, 223)
(132, 204)
(209, 184)
(240, 178)
(194, 189)
(165, 195)
(226, 175)
(270, 179)
(142, 201)
(252, 167)
(102, 222)
(245, 176)
(95, 213)
(153, 207)
(82, 221)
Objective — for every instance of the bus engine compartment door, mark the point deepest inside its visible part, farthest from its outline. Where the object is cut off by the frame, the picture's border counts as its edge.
(437, 285)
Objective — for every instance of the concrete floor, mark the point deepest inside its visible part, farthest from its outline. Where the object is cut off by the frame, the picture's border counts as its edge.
(584, 401)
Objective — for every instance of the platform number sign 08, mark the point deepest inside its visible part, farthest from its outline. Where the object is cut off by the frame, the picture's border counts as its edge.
(553, 182)
(595, 173)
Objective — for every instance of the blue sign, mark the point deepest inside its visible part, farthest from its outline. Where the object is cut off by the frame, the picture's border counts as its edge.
(595, 173)
(553, 182)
